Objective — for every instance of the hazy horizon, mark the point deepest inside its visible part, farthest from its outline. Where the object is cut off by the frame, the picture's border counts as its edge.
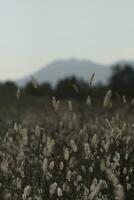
(37, 32)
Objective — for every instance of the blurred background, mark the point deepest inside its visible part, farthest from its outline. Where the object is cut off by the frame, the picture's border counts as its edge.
(62, 44)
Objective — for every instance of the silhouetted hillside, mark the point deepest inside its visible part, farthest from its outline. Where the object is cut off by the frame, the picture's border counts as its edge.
(60, 69)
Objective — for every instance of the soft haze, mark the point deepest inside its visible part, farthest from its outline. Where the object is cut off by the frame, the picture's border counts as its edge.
(36, 32)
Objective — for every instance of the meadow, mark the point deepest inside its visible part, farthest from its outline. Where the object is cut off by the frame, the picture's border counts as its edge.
(66, 150)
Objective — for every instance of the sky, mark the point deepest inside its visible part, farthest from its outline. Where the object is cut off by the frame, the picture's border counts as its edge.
(34, 33)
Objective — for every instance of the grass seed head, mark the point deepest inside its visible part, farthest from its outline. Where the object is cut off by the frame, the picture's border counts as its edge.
(34, 82)
(75, 88)
(107, 99)
(88, 101)
(91, 79)
(18, 93)
(70, 105)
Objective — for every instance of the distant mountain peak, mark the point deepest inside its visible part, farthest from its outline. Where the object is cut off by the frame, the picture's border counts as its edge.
(60, 69)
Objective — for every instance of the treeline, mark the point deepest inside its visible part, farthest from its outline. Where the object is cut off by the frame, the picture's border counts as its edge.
(121, 83)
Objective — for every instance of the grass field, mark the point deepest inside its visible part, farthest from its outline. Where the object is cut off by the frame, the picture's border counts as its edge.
(66, 150)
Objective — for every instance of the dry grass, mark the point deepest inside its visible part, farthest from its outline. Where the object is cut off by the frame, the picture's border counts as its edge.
(76, 152)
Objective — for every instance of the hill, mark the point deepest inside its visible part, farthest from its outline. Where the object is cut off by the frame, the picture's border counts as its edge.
(63, 68)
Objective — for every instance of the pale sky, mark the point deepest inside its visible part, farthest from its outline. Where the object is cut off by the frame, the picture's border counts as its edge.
(36, 32)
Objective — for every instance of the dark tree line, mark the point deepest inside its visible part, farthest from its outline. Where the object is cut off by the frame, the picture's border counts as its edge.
(121, 82)
(70, 87)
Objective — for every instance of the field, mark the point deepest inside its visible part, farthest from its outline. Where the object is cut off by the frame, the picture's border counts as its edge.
(66, 150)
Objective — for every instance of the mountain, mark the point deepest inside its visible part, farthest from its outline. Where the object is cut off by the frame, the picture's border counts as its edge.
(60, 69)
